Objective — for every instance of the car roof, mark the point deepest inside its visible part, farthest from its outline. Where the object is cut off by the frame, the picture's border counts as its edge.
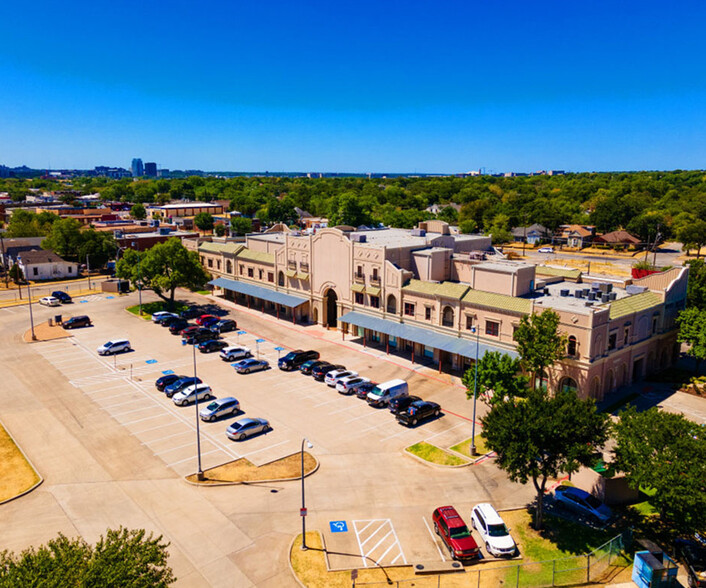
(451, 516)
(575, 491)
(490, 515)
(226, 399)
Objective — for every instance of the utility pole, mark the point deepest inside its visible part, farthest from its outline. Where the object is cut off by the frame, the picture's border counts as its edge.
(4, 262)
(31, 317)
(88, 271)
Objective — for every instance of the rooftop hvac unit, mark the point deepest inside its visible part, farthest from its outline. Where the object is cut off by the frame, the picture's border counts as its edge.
(564, 293)
(609, 288)
(578, 293)
(586, 291)
(591, 295)
(612, 295)
(358, 238)
(546, 291)
(605, 297)
(419, 233)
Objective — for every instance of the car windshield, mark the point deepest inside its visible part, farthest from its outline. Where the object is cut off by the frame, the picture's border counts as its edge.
(497, 530)
(592, 501)
(459, 532)
(212, 406)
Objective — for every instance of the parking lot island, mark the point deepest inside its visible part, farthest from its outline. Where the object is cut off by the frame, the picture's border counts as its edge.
(243, 471)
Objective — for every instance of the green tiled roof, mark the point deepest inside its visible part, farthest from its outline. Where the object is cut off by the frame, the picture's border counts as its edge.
(445, 289)
(220, 247)
(259, 256)
(500, 301)
(634, 303)
(559, 271)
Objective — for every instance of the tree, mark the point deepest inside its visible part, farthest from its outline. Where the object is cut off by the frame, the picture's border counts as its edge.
(128, 558)
(240, 225)
(65, 238)
(665, 455)
(16, 274)
(692, 331)
(138, 211)
(219, 229)
(164, 268)
(696, 287)
(97, 246)
(539, 343)
(499, 378)
(543, 436)
(349, 212)
(693, 236)
(23, 223)
(467, 227)
(204, 221)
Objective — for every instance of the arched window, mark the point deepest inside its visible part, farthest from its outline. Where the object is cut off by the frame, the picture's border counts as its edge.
(572, 347)
(280, 279)
(568, 385)
(392, 304)
(447, 319)
(229, 267)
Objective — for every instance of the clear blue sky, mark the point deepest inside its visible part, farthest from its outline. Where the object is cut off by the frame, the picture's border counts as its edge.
(383, 85)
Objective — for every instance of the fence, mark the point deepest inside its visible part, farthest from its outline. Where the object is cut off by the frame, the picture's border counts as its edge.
(569, 571)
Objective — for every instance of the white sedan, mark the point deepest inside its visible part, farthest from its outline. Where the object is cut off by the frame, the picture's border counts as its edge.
(546, 250)
(50, 301)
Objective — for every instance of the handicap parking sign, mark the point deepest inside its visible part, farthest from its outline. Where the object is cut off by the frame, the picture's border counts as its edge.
(338, 526)
(259, 340)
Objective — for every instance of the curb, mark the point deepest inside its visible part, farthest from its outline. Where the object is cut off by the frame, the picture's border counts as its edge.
(438, 465)
(289, 558)
(245, 482)
(41, 480)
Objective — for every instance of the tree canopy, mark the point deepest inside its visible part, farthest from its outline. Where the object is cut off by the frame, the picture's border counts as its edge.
(499, 378)
(543, 436)
(138, 211)
(539, 343)
(665, 454)
(692, 331)
(68, 239)
(204, 221)
(126, 558)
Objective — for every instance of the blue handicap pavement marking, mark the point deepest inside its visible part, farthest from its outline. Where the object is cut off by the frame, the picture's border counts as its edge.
(83, 301)
(109, 297)
(338, 526)
(150, 361)
(259, 340)
(242, 332)
(279, 348)
(168, 372)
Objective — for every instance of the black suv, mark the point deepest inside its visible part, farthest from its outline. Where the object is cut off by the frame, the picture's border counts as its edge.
(191, 312)
(200, 336)
(77, 321)
(62, 296)
(320, 371)
(294, 359)
(177, 326)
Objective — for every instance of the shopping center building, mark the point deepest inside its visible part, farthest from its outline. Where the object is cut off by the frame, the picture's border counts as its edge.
(443, 298)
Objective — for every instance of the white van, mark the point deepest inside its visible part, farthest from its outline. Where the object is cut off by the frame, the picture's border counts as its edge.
(383, 393)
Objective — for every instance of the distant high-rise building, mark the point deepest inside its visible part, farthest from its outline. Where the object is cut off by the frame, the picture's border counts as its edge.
(137, 168)
(150, 169)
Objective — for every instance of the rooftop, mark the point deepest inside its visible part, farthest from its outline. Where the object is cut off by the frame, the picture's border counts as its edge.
(191, 205)
(571, 303)
(39, 256)
(445, 289)
(506, 267)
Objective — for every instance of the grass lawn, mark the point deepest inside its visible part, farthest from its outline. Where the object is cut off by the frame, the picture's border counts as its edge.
(16, 475)
(242, 470)
(464, 447)
(434, 454)
(203, 292)
(149, 308)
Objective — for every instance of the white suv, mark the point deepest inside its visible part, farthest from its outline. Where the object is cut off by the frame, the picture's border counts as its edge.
(235, 352)
(112, 347)
(191, 393)
(486, 520)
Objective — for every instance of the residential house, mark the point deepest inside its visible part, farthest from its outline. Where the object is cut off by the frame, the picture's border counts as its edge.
(45, 265)
(533, 234)
(619, 238)
(575, 236)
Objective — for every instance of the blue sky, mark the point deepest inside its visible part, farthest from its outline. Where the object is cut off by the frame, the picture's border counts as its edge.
(354, 86)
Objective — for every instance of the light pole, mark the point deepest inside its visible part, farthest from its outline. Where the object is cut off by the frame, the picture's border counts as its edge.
(199, 474)
(139, 282)
(475, 330)
(31, 318)
(302, 512)
(88, 272)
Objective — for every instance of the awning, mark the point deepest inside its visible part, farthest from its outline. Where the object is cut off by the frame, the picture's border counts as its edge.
(303, 276)
(464, 347)
(372, 290)
(358, 288)
(290, 273)
(259, 292)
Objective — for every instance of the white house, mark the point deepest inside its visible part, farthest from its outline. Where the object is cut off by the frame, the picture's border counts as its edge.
(45, 265)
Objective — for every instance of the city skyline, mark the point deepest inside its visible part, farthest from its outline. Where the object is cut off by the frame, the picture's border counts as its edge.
(392, 88)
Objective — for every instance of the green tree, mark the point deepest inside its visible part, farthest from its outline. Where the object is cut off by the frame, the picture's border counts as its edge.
(204, 221)
(98, 246)
(692, 331)
(164, 268)
(138, 211)
(16, 274)
(665, 454)
(126, 558)
(693, 236)
(539, 343)
(219, 229)
(24, 223)
(64, 238)
(448, 214)
(499, 378)
(348, 211)
(543, 436)
(240, 225)
(696, 287)
(467, 227)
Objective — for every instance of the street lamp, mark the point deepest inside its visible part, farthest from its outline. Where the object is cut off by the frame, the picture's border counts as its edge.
(139, 282)
(199, 474)
(475, 330)
(29, 301)
(302, 512)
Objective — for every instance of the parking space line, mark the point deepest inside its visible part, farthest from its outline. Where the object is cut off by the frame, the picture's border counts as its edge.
(446, 431)
(131, 401)
(191, 457)
(433, 539)
(343, 409)
(375, 532)
(152, 428)
(191, 443)
(382, 557)
(325, 403)
(360, 547)
(147, 443)
(379, 542)
(131, 411)
(397, 540)
(156, 416)
(265, 448)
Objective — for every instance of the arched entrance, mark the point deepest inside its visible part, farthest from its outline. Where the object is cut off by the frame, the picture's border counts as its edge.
(331, 309)
(316, 315)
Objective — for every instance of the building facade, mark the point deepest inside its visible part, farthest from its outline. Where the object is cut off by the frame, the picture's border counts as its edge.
(137, 168)
(45, 265)
(429, 295)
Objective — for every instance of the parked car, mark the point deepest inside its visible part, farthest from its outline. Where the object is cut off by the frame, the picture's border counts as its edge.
(176, 327)
(191, 312)
(243, 428)
(113, 347)
(157, 316)
(50, 301)
(235, 352)
(363, 390)
(308, 366)
(191, 393)
(204, 317)
(63, 297)
(188, 331)
(319, 372)
(211, 345)
(167, 380)
(693, 554)
(401, 403)
(332, 377)
(492, 529)
(219, 408)
(418, 411)
(545, 250)
(583, 503)
(200, 336)
(455, 534)
(225, 326)
(386, 391)
(168, 321)
(245, 366)
(179, 385)
(294, 359)
(210, 323)
(349, 384)
(77, 321)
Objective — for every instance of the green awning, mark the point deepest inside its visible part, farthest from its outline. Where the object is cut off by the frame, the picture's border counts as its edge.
(303, 276)
(358, 288)
(290, 273)
(372, 291)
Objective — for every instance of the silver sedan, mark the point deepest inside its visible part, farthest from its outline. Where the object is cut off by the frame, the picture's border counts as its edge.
(243, 428)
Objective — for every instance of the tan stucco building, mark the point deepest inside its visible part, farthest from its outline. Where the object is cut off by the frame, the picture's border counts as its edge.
(435, 296)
